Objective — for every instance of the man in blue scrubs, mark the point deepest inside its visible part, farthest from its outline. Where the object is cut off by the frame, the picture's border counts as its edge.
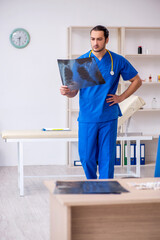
(99, 109)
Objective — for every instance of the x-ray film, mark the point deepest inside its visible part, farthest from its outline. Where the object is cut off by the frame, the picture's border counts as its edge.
(88, 187)
(80, 73)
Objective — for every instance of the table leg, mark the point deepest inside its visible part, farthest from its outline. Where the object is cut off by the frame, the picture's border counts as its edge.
(128, 157)
(20, 169)
(138, 173)
(18, 166)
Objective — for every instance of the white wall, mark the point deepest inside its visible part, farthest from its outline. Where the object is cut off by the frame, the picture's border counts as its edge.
(29, 78)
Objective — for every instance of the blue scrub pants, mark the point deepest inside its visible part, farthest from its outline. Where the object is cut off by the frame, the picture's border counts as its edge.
(97, 142)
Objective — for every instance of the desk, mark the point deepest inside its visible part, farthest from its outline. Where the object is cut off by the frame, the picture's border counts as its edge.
(127, 216)
(20, 137)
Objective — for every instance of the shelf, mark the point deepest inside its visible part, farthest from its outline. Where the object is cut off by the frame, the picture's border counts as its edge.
(80, 27)
(90, 27)
(151, 83)
(143, 83)
(142, 55)
(74, 56)
(149, 110)
(142, 28)
(147, 164)
(140, 110)
(155, 136)
(73, 110)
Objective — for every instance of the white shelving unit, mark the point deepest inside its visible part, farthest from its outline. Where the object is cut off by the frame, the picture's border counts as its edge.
(125, 41)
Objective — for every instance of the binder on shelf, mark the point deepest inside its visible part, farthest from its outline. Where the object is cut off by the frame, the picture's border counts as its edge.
(142, 154)
(118, 154)
(77, 163)
(135, 161)
(133, 154)
(125, 154)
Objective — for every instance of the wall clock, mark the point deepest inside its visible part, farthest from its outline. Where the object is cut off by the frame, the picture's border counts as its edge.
(19, 38)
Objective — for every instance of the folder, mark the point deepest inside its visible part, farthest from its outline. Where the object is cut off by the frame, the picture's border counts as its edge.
(125, 154)
(118, 154)
(77, 163)
(55, 129)
(142, 154)
(133, 154)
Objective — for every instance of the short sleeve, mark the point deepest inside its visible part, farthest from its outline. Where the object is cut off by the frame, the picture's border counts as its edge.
(127, 70)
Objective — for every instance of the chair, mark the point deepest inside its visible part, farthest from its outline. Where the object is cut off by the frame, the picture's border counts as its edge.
(157, 166)
(128, 107)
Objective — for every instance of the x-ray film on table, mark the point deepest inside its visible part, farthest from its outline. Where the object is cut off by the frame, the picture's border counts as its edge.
(88, 187)
(80, 73)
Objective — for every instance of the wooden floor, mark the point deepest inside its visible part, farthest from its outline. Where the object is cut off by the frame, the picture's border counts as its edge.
(27, 218)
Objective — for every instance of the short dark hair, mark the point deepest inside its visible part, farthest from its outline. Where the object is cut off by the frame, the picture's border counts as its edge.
(101, 28)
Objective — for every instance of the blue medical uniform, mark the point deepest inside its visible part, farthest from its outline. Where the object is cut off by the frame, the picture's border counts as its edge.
(98, 120)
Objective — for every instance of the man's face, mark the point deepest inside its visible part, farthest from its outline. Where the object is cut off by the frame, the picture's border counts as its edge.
(98, 41)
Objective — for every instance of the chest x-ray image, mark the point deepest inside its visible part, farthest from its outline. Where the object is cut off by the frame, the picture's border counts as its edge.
(88, 187)
(80, 73)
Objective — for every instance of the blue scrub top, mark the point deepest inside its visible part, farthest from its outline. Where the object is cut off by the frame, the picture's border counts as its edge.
(92, 100)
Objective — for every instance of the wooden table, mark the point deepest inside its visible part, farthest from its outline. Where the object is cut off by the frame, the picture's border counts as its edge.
(127, 216)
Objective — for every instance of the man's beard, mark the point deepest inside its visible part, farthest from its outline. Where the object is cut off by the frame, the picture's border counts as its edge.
(100, 50)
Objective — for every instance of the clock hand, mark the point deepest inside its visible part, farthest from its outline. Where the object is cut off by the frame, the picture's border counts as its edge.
(19, 40)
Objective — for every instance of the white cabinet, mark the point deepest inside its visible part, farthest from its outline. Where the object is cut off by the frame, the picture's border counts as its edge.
(125, 41)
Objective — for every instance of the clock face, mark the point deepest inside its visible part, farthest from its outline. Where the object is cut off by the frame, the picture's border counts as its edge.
(19, 38)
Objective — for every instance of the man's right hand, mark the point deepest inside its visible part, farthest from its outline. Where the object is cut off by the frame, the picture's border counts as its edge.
(65, 91)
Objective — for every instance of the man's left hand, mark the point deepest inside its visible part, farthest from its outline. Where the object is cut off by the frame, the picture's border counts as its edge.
(113, 99)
